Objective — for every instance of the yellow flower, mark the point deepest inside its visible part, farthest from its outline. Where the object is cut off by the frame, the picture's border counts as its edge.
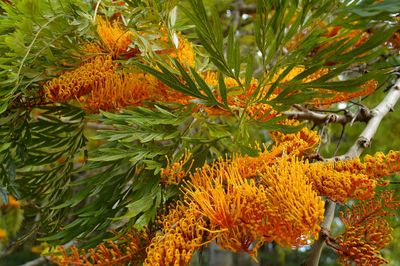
(380, 164)
(352, 179)
(280, 206)
(251, 167)
(92, 49)
(128, 248)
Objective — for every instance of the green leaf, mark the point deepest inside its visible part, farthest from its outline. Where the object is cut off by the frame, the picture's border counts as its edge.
(222, 89)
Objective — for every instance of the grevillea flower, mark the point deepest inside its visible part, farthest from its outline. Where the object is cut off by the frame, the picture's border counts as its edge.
(366, 89)
(115, 39)
(252, 167)
(353, 179)
(128, 249)
(340, 185)
(294, 208)
(380, 165)
(182, 233)
(366, 230)
(298, 143)
(280, 206)
(118, 90)
(81, 81)
(92, 49)
(235, 206)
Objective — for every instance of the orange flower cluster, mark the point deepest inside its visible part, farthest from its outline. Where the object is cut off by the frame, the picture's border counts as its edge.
(251, 167)
(366, 89)
(296, 144)
(129, 248)
(115, 39)
(382, 165)
(173, 173)
(91, 49)
(184, 53)
(182, 233)
(119, 90)
(367, 231)
(99, 85)
(340, 185)
(236, 207)
(246, 213)
(81, 81)
(340, 181)
(12, 203)
(353, 179)
(295, 208)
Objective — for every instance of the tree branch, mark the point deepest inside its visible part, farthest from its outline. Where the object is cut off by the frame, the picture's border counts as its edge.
(322, 118)
(378, 113)
(363, 141)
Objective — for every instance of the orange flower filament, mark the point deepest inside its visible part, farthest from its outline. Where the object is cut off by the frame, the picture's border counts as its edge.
(295, 209)
(174, 172)
(129, 248)
(367, 231)
(115, 39)
(181, 235)
(81, 81)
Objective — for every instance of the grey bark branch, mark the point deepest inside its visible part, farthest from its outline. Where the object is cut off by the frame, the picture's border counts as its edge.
(363, 141)
(378, 113)
(322, 118)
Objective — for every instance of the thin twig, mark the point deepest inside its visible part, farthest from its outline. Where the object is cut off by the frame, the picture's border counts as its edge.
(340, 139)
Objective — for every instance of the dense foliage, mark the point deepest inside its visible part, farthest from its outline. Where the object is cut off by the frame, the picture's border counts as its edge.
(143, 131)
